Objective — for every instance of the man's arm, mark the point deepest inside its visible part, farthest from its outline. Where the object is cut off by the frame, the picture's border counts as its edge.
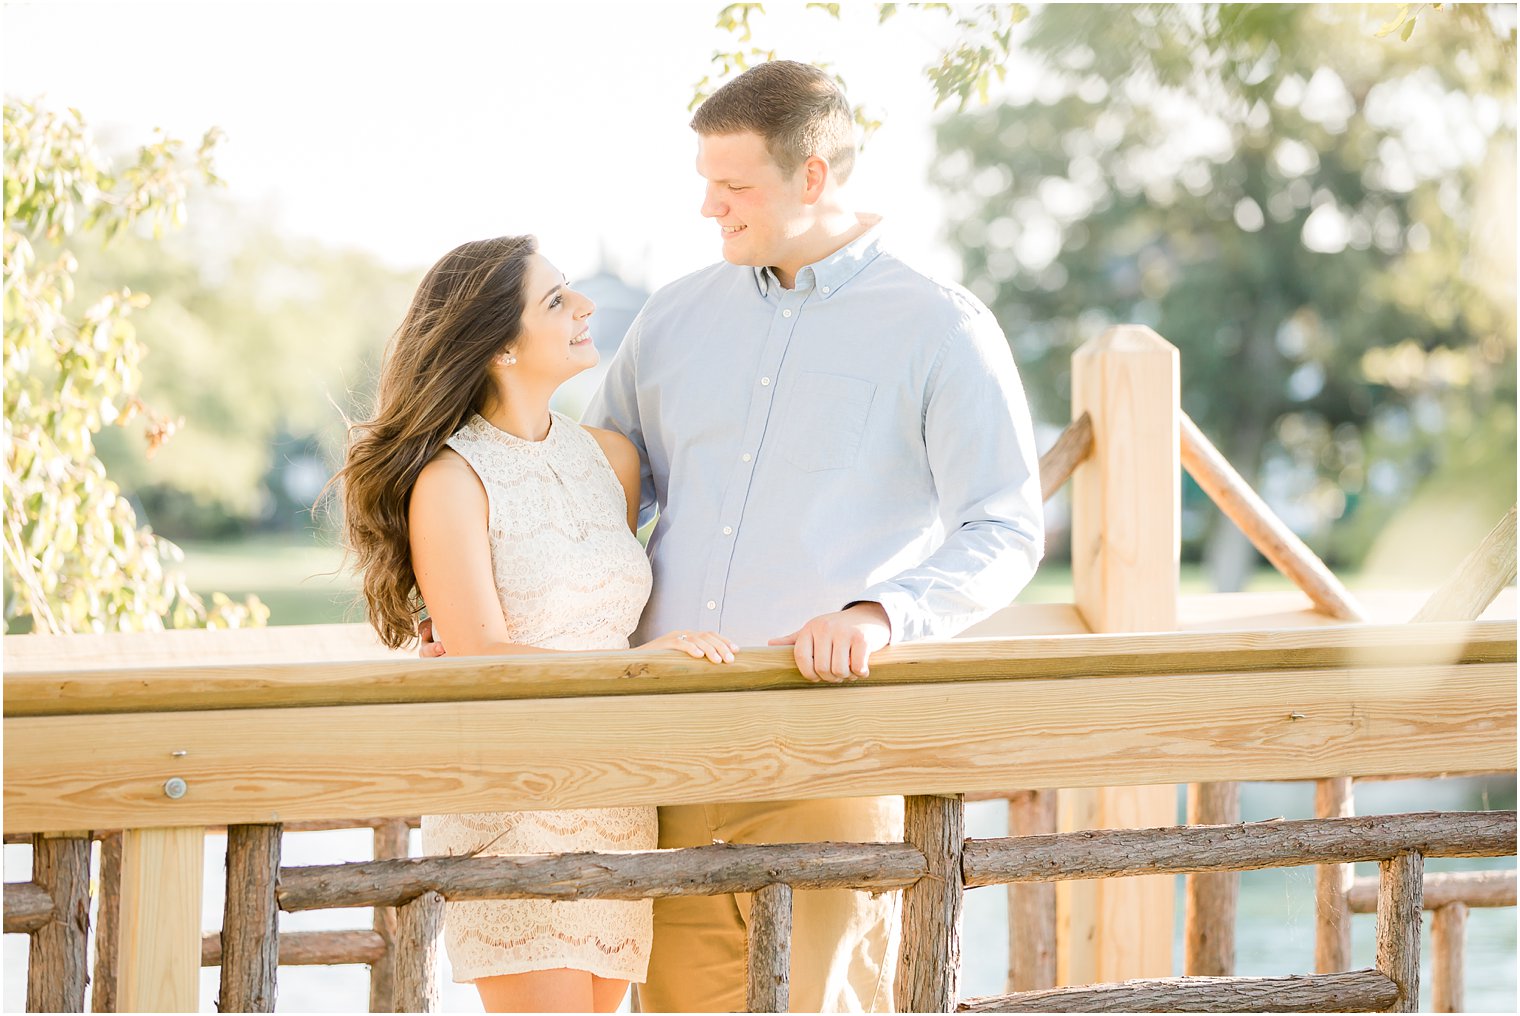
(615, 407)
(980, 444)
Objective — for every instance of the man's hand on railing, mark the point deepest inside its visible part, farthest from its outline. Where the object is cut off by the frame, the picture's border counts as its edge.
(837, 647)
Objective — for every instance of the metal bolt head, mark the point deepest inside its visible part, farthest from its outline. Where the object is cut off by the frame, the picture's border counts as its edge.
(174, 788)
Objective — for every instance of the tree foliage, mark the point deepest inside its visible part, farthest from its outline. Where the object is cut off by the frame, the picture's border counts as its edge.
(1315, 203)
(1307, 211)
(75, 557)
(272, 337)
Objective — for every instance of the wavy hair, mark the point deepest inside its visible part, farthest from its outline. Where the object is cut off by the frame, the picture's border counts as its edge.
(468, 309)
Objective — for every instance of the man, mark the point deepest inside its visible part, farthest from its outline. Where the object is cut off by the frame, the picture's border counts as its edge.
(840, 455)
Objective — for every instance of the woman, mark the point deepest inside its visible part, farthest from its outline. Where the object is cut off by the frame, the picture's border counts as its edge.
(514, 526)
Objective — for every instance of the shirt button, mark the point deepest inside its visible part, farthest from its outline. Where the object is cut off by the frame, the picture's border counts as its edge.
(825, 289)
(712, 604)
(786, 313)
(765, 381)
(746, 457)
(728, 530)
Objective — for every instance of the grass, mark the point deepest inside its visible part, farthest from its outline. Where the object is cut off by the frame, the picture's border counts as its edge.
(303, 582)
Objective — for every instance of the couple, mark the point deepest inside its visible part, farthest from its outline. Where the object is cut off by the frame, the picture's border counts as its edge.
(840, 455)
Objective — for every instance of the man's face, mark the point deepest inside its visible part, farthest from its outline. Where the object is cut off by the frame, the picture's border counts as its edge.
(759, 210)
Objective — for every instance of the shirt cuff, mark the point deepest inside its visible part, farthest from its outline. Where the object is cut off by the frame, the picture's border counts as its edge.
(898, 603)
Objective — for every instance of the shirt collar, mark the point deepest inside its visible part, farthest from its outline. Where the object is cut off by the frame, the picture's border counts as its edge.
(829, 275)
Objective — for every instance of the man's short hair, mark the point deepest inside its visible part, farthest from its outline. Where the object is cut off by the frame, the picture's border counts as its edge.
(795, 107)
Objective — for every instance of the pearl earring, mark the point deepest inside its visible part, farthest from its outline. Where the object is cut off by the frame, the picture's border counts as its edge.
(506, 359)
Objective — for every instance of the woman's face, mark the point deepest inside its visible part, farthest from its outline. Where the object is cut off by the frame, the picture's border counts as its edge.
(555, 342)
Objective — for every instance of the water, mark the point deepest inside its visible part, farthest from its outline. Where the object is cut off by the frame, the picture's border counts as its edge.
(1275, 927)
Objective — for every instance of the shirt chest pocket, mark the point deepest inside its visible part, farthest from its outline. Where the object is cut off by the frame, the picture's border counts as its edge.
(825, 421)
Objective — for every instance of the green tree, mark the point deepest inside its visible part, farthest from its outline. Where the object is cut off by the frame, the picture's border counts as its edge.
(75, 557)
(271, 338)
(1295, 203)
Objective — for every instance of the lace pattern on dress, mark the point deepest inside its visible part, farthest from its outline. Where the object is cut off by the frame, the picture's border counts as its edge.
(569, 575)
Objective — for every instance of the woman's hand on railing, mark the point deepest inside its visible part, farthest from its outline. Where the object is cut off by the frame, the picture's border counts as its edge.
(696, 644)
(430, 648)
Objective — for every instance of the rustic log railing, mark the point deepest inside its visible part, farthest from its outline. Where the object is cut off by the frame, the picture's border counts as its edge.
(1058, 710)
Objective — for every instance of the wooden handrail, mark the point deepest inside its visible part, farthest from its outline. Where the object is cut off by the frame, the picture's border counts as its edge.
(1352, 991)
(1267, 533)
(28, 907)
(1478, 579)
(1070, 450)
(1469, 888)
(310, 948)
(631, 875)
(1116, 853)
(646, 672)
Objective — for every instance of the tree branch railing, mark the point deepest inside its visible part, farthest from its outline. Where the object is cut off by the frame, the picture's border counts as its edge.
(938, 861)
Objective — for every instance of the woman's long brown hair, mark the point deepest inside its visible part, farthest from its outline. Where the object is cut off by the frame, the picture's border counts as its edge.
(436, 373)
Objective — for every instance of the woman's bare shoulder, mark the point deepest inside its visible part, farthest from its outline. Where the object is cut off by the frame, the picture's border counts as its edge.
(447, 475)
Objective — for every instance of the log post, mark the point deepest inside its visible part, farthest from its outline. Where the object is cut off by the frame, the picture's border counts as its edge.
(418, 924)
(1448, 940)
(1126, 510)
(1332, 914)
(57, 968)
(1031, 905)
(929, 964)
(1401, 884)
(250, 920)
(1209, 912)
(770, 949)
(392, 839)
(160, 945)
(107, 924)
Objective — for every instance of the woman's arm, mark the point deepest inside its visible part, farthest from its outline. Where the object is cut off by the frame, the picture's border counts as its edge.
(451, 553)
(624, 459)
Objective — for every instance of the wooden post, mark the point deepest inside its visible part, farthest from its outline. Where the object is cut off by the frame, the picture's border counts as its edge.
(392, 839)
(770, 949)
(58, 970)
(107, 924)
(929, 965)
(251, 920)
(1448, 939)
(1125, 537)
(1209, 913)
(160, 948)
(1332, 914)
(1398, 925)
(1031, 905)
(418, 924)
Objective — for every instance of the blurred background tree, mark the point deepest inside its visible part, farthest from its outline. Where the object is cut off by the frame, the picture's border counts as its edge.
(1320, 216)
(265, 342)
(1314, 203)
(75, 557)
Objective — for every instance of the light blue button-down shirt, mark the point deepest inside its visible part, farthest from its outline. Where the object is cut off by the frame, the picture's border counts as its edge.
(862, 436)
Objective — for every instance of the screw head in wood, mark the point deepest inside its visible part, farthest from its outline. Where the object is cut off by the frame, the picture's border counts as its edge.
(174, 788)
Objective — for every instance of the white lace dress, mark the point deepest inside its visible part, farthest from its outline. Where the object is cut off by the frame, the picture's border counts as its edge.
(570, 576)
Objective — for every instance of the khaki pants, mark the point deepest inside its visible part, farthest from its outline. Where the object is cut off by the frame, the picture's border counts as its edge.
(844, 943)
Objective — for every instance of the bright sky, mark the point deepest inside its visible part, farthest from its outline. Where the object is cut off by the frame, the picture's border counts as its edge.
(404, 129)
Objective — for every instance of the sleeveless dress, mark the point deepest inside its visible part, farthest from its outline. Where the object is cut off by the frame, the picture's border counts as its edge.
(570, 576)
